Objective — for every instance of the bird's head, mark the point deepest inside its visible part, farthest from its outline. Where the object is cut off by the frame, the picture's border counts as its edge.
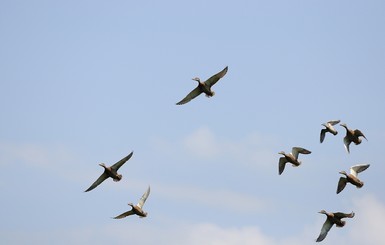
(281, 152)
(102, 165)
(323, 212)
(130, 204)
(343, 172)
(196, 79)
(343, 125)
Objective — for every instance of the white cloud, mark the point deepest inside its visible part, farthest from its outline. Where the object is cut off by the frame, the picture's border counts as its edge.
(369, 223)
(134, 230)
(253, 150)
(25, 154)
(214, 198)
(56, 159)
(209, 198)
(215, 235)
(202, 143)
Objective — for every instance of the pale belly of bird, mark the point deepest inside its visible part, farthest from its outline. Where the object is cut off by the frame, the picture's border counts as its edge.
(116, 177)
(340, 223)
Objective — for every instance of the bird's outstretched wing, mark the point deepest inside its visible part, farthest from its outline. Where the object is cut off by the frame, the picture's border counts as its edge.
(296, 150)
(322, 135)
(344, 215)
(358, 169)
(359, 133)
(341, 184)
(101, 178)
(333, 122)
(325, 229)
(194, 93)
(144, 198)
(347, 143)
(213, 79)
(281, 165)
(125, 214)
(117, 165)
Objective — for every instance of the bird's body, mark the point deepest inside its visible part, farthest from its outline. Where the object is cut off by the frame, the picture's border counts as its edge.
(136, 209)
(111, 171)
(291, 157)
(203, 87)
(352, 136)
(352, 178)
(332, 219)
(328, 129)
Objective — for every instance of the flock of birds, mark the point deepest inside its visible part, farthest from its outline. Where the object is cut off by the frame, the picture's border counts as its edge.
(352, 177)
(112, 171)
(292, 157)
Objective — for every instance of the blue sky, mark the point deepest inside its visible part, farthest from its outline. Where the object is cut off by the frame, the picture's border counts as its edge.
(85, 82)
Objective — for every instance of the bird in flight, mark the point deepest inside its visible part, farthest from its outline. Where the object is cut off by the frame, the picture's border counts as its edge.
(203, 87)
(328, 128)
(331, 219)
(136, 209)
(352, 177)
(352, 136)
(291, 157)
(111, 171)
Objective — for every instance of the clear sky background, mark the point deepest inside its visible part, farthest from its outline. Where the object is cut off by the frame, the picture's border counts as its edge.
(84, 82)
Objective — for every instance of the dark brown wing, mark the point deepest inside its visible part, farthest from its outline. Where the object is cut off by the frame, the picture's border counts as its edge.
(213, 79)
(101, 178)
(358, 133)
(125, 214)
(341, 184)
(194, 93)
(344, 215)
(281, 164)
(117, 165)
(325, 229)
(322, 135)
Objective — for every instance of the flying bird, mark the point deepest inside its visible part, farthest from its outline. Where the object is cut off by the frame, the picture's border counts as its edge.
(332, 218)
(328, 128)
(352, 177)
(203, 87)
(291, 157)
(352, 136)
(136, 209)
(111, 171)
